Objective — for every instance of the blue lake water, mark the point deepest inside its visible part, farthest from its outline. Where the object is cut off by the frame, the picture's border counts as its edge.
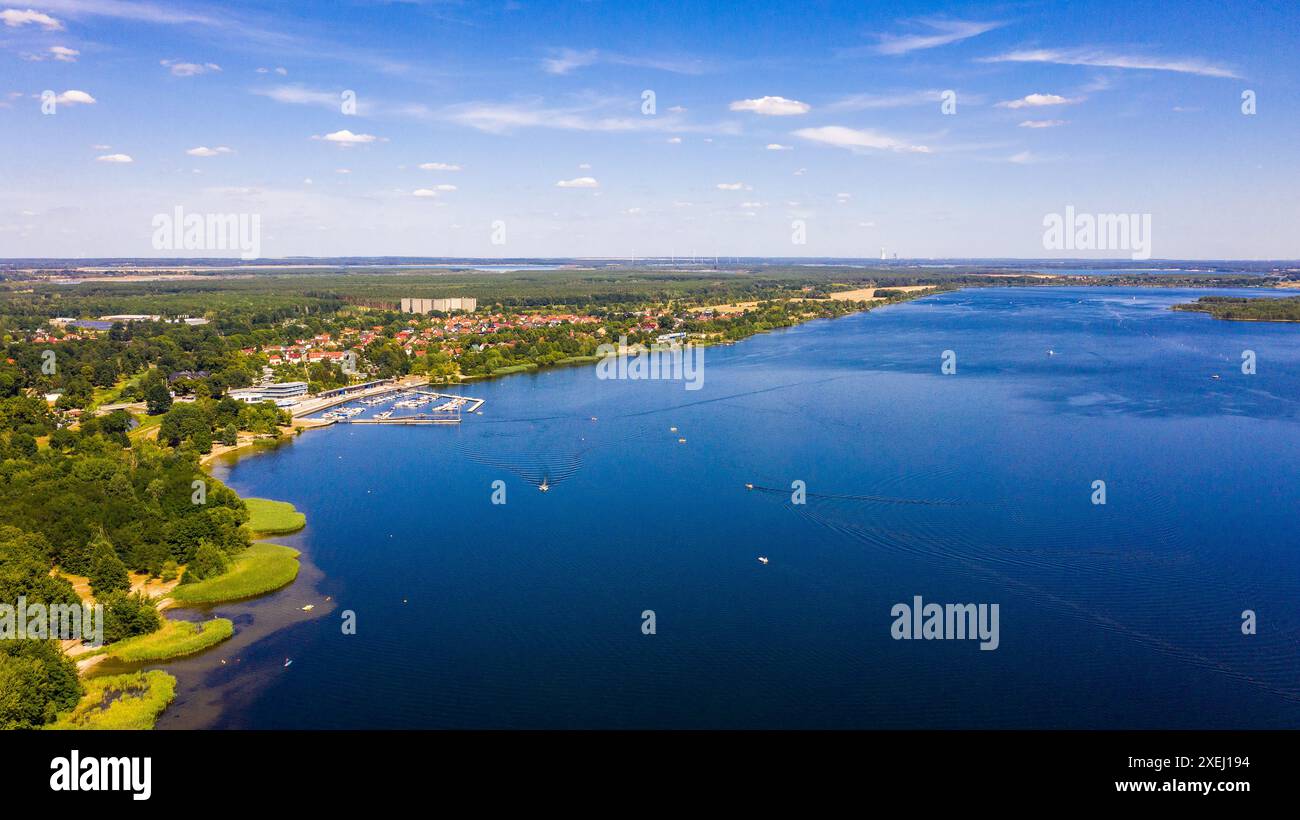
(974, 487)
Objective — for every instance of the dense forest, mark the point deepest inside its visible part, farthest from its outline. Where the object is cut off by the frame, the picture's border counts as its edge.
(1247, 309)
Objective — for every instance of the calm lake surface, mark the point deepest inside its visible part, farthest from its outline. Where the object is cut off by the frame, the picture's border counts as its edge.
(974, 487)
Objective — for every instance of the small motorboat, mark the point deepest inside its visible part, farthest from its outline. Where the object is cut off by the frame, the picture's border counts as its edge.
(681, 441)
(1051, 353)
(544, 486)
(308, 607)
(762, 559)
(1216, 377)
(672, 429)
(287, 661)
(749, 486)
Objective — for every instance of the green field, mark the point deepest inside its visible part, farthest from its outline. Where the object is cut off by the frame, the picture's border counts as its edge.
(263, 567)
(273, 517)
(175, 639)
(131, 701)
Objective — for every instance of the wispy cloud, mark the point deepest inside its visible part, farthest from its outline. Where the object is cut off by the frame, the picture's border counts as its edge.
(941, 33)
(1109, 59)
(503, 118)
(867, 102)
(170, 13)
(566, 60)
(859, 140)
(115, 158)
(578, 182)
(297, 94)
(183, 69)
(1041, 123)
(205, 151)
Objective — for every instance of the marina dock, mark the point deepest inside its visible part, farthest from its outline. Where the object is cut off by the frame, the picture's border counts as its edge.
(411, 394)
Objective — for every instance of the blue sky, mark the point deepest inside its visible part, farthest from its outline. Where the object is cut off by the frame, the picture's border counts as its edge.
(765, 113)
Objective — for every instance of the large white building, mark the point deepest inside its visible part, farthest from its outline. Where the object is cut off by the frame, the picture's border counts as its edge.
(466, 303)
(283, 394)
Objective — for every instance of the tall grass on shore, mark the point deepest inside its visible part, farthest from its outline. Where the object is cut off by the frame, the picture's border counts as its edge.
(273, 517)
(175, 639)
(132, 701)
(263, 567)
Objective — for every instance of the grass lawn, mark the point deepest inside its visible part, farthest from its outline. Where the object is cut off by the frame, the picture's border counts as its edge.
(273, 517)
(145, 426)
(174, 640)
(131, 701)
(260, 568)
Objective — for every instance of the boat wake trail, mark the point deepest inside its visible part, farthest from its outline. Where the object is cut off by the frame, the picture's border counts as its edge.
(1092, 572)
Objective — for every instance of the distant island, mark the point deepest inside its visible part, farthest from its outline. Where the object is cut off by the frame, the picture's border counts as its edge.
(1247, 309)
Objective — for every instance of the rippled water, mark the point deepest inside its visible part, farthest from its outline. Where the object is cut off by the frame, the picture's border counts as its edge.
(973, 487)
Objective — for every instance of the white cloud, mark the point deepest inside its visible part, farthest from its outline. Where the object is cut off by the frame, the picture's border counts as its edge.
(13, 18)
(945, 32)
(423, 192)
(343, 171)
(1041, 123)
(772, 106)
(205, 151)
(438, 166)
(585, 166)
(734, 186)
(1023, 158)
(74, 97)
(1106, 59)
(858, 140)
(674, 140)
(114, 158)
(445, 187)
(1037, 100)
(346, 138)
(749, 206)
(62, 54)
(182, 69)
(578, 182)
(776, 146)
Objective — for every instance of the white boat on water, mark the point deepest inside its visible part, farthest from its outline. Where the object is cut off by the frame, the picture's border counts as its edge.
(544, 486)
(762, 559)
